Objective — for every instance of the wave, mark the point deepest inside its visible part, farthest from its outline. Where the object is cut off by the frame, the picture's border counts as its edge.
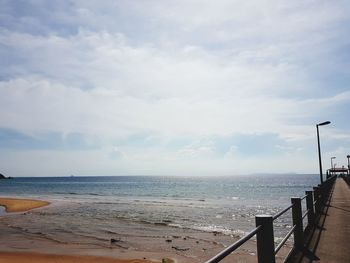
(202, 228)
(221, 230)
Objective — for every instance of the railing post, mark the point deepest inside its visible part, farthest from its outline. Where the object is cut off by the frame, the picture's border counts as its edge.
(298, 222)
(310, 208)
(316, 198)
(320, 190)
(265, 239)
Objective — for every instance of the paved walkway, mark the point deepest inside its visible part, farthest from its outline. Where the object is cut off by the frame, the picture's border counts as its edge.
(331, 240)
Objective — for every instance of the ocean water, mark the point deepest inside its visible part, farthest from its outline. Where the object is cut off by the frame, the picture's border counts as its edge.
(96, 207)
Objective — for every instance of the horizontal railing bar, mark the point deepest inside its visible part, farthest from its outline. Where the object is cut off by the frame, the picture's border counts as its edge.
(282, 212)
(302, 198)
(234, 246)
(280, 245)
(305, 214)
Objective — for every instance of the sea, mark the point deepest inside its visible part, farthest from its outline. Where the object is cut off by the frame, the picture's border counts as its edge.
(96, 206)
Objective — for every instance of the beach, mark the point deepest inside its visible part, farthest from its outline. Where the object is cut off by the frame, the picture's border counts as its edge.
(173, 248)
(136, 219)
(183, 246)
(13, 257)
(21, 205)
(24, 205)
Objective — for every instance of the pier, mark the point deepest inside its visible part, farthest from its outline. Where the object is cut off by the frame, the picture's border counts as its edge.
(330, 239)
(320, 228)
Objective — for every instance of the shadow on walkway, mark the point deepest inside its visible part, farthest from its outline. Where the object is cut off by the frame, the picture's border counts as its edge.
(312, 236)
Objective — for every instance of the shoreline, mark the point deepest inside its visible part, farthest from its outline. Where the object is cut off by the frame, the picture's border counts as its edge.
(15, 205)
(27, 239)
(21, 205)
(33, 257)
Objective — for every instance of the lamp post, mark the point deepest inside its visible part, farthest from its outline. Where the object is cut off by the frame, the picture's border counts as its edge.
(332, 164)
(319, 147)
(348, 156)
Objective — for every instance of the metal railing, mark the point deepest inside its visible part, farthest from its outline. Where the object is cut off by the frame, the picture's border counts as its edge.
(234, 246)
(264, 231)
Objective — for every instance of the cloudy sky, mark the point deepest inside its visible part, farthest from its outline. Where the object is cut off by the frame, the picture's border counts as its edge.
(185, 87)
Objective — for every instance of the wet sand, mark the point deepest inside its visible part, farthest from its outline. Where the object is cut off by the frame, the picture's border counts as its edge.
(11, 257)
(21, 205)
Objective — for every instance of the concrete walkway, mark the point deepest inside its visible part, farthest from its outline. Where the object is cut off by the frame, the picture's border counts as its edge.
(334, 245)
(330, 241)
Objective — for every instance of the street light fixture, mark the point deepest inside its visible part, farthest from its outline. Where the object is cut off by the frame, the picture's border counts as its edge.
(319, 147)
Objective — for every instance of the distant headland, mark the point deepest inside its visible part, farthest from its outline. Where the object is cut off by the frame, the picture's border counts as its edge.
(4, 177)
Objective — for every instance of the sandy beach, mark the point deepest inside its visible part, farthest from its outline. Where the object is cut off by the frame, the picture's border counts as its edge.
(11, 257)
(25, 239)
(21, 205)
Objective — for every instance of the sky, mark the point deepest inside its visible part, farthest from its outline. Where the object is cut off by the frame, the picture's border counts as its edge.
(185, 87)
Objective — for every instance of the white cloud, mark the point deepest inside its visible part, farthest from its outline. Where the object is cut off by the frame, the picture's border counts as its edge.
(116, 153)
(232, 152)
(40, 105)
(174, 69)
